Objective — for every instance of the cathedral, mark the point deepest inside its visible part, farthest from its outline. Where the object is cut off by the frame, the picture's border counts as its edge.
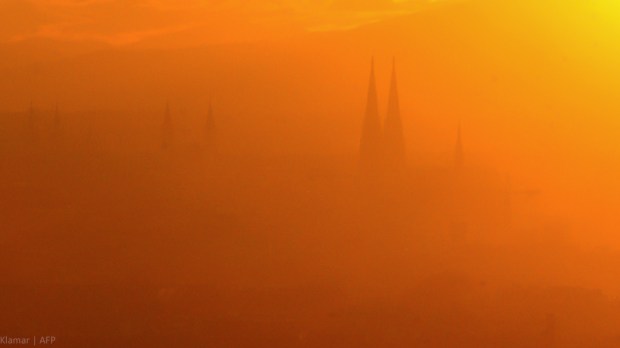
(462, 198)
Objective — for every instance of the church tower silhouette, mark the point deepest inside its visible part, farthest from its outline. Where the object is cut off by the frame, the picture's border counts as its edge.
(393, 137)
(371, 143)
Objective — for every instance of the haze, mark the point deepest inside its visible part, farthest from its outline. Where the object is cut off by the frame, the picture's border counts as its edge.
(310, 173)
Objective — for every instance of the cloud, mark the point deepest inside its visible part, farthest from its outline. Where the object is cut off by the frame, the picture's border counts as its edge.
(368, 5)
(122, 22)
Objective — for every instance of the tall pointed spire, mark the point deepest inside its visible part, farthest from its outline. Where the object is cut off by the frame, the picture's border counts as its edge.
(167, 129)
(458, 155)
(393, 128)
(370, 144)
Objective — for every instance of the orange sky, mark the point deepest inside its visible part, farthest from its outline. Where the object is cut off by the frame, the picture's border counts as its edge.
(223, 170)
(534, 82)
(121, 22)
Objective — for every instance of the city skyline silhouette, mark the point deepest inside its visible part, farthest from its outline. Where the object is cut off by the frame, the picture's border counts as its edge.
(369, 173)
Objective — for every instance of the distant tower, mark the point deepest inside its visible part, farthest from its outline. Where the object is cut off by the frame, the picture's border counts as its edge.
(210, 134)
(167, 129)
(458, 154)
(393, 129)
(371, 145)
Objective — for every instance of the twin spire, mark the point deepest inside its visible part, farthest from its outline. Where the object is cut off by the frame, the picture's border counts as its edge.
(371, 142)
(384, 147)
(394, 140)
(382, 144)
(209, 134)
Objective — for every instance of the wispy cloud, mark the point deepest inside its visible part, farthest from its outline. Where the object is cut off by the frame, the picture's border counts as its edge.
(121, 22)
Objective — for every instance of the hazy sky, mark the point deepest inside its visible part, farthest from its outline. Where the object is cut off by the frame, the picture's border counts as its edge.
(533, 81)
(130, 21)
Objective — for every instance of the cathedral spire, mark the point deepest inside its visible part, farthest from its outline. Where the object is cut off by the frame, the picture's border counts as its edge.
(393, 128)
(370, 144)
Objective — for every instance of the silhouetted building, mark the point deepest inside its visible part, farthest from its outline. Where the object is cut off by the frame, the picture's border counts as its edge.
(371, 145)
(394, 142)
(167, 129)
